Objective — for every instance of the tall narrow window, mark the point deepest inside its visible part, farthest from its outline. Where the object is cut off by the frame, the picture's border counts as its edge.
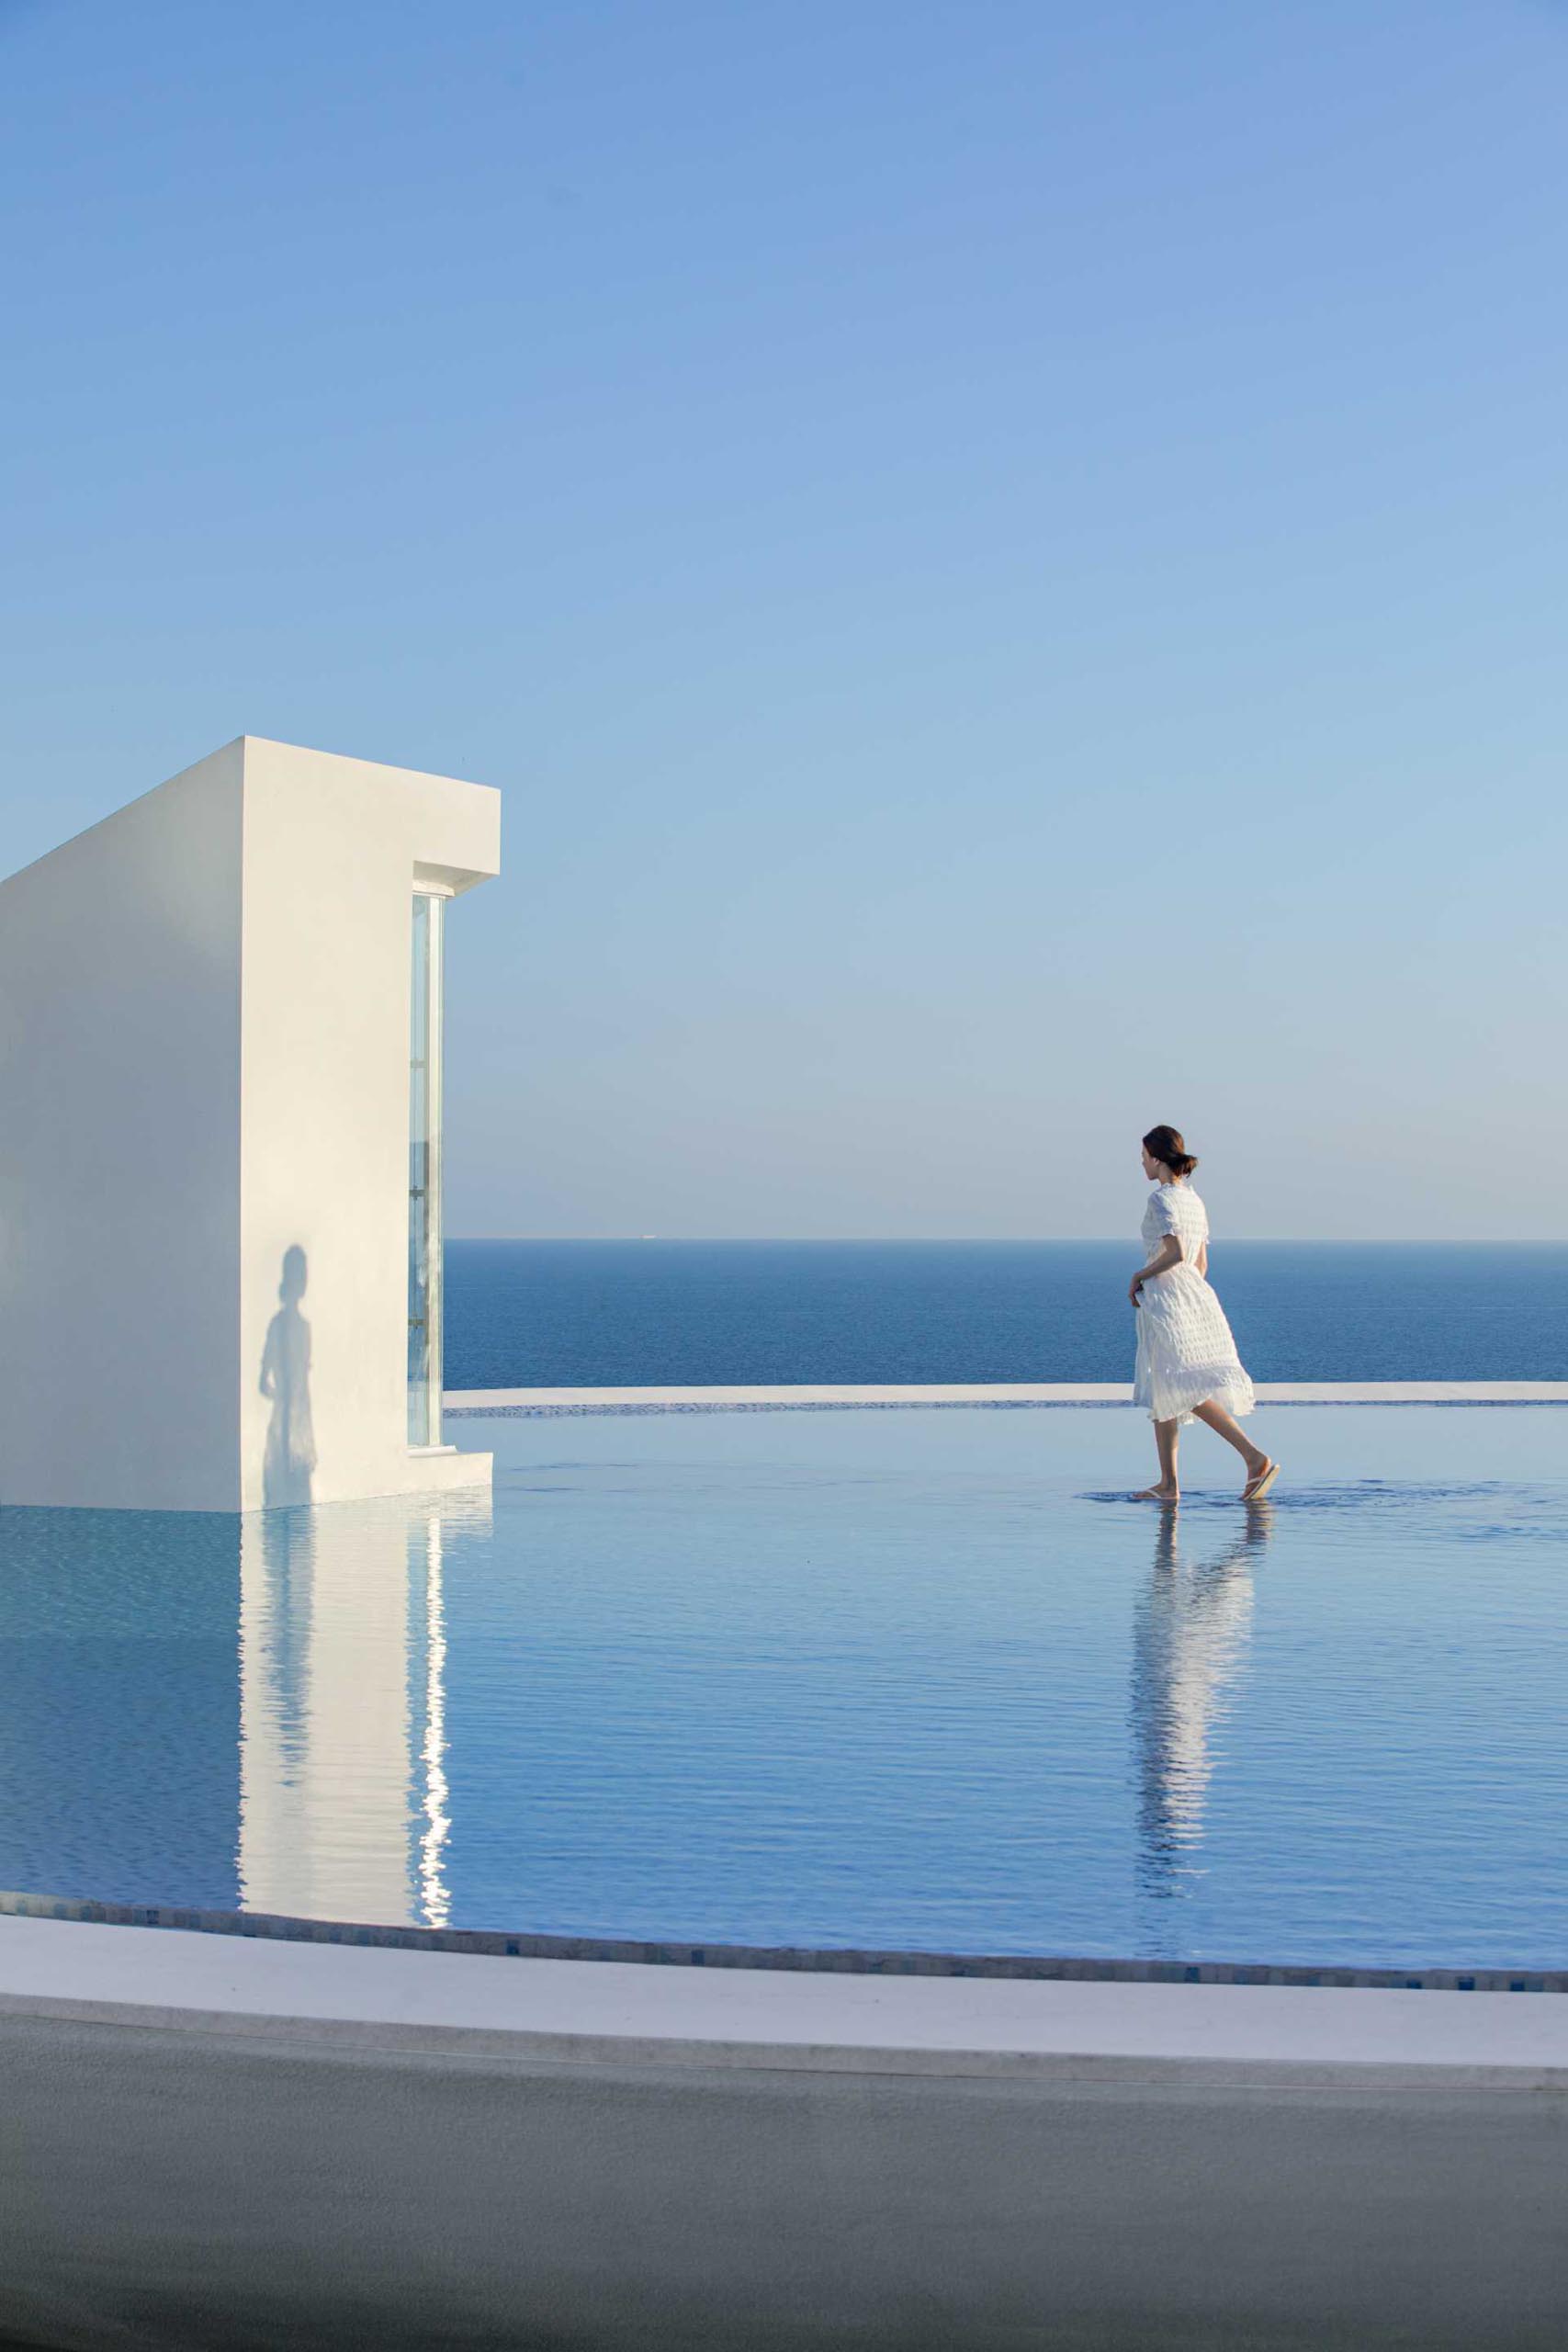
(425, 1173)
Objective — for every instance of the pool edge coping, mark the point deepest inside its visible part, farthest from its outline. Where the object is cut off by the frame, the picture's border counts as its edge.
(264, 1926)
(397, 2009)
(476, 1404)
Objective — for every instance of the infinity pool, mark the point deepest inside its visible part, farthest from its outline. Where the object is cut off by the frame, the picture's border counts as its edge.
(915, 1678)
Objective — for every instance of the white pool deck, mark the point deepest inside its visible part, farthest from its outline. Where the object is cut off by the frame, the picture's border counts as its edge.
(629, 2013)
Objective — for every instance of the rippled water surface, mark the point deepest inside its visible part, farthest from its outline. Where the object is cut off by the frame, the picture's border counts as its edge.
(906, 1679)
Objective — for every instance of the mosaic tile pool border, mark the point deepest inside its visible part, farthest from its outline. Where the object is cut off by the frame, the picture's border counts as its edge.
(497, 1944)
(674, 1410)
(807, 1405)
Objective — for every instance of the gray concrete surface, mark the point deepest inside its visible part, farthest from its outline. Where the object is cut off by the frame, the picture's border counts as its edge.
(185, 2187)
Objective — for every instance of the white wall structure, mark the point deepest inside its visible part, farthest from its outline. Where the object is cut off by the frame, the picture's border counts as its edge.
(205, 1130)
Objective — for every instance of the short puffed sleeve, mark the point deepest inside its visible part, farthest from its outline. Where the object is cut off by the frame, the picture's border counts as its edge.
(1161, 1214)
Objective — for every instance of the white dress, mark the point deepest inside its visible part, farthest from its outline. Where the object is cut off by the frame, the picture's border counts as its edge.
(1186, 1353)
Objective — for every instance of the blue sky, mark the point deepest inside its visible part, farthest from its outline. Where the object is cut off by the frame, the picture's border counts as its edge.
(1008, 559)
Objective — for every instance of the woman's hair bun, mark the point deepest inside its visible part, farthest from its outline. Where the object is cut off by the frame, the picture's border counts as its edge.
(1165, 1144)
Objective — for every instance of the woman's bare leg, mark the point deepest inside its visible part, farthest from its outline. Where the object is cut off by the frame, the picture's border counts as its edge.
(1214, 1417)
(1168, 1490)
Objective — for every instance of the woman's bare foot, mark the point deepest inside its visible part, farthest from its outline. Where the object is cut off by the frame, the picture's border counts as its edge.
(1158, 1495)
(1260, 1476)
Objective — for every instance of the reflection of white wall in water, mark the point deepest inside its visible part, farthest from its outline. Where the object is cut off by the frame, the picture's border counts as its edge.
(205, 1127)
(1192, 1633)
(344, 1800)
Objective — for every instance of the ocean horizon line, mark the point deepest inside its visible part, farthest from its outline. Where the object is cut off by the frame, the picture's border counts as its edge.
(1021, 1241)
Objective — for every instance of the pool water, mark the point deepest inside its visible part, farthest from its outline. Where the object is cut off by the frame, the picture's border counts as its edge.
(917, 1679)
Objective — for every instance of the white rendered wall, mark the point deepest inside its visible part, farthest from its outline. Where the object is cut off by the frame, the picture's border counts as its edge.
(204, 1042)
(332, 848)
(119, 1155)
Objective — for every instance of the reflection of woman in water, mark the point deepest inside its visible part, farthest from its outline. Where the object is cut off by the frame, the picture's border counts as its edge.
(290, 1455)
(1191, 1636)
(1187, 1368)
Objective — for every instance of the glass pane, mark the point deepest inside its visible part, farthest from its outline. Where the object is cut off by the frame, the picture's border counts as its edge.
(424, 1175)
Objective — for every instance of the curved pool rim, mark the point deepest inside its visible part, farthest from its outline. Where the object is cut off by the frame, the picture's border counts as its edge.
(495, 1943)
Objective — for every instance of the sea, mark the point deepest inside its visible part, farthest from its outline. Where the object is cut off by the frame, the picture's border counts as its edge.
(654, 1314)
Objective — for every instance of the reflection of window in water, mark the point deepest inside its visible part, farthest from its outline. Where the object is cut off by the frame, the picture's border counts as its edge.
(343, 1793)
(1189, 1646)
(434, 1902)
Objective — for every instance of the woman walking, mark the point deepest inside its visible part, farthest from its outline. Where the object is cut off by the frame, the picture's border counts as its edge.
(1187, 1368)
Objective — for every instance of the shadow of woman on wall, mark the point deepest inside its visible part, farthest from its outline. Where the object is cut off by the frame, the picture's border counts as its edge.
(290, 1461)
